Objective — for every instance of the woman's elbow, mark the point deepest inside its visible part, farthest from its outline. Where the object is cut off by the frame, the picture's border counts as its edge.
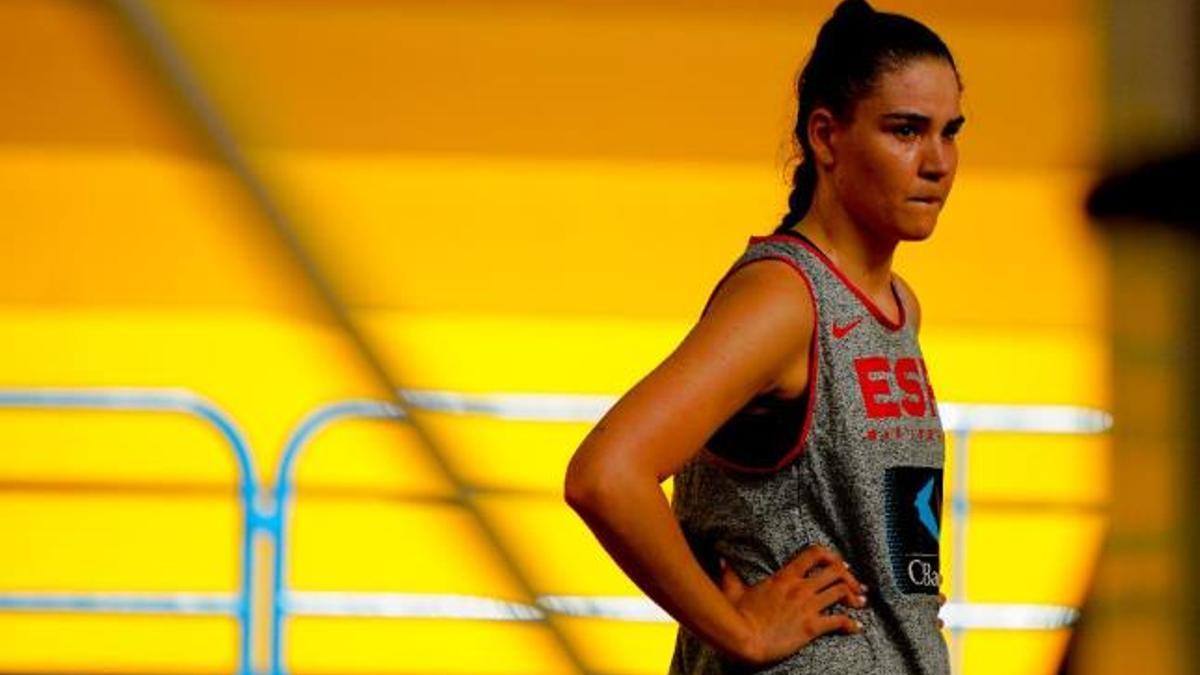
(581, 483)
(591, 476)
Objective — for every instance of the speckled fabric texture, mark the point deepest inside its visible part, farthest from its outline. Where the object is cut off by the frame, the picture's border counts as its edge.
(860, 473)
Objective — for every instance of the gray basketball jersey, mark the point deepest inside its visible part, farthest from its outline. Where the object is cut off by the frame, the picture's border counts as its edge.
(854, 464)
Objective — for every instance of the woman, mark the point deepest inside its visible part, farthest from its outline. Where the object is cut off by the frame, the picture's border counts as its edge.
(797, 416)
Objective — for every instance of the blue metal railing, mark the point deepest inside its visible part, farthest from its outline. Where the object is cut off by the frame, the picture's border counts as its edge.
(277, 524)
(959, 419)
(268, 515)
(167, 401)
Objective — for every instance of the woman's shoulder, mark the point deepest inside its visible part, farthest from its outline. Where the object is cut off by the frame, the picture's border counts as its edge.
(774, 286)
(767, 306)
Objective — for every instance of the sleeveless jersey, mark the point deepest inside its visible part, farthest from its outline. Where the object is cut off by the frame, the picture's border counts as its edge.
(853, 464)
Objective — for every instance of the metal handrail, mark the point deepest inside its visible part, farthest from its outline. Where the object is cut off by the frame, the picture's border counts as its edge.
(155, 400)
(958, 418)
(276, 523)
(269, 515)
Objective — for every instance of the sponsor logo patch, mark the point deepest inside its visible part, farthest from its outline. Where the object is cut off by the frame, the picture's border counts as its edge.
(913, 503)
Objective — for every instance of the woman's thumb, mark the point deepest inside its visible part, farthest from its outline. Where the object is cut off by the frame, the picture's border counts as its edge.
(731, 583)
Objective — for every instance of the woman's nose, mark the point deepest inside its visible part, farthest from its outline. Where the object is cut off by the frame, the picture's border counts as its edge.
(935, 159)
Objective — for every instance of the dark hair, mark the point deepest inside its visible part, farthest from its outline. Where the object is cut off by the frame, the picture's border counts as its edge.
(854, 47)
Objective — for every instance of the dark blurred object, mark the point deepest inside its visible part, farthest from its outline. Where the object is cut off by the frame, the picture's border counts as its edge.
(1163, 191)
(1143, 612)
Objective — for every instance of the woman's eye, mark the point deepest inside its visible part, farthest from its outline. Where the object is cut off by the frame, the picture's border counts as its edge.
(905, 131)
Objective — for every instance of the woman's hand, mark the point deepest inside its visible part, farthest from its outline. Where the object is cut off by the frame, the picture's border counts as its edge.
(941, 601)
(786, 610)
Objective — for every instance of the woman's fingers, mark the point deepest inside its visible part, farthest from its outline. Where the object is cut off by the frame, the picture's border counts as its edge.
(827, 623)
(815, 556)
(789, 609)
(836, 593)
(831, 574)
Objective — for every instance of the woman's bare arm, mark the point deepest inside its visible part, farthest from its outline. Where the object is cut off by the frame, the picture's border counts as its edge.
(757, 326)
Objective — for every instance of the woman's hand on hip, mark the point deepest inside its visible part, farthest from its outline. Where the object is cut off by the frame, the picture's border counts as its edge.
(786, 611)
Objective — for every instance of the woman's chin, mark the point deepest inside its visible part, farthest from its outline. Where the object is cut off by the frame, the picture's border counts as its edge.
(917, 230)
(910, 227)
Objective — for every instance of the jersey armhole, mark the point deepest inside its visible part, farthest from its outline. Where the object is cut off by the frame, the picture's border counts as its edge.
(813, 371)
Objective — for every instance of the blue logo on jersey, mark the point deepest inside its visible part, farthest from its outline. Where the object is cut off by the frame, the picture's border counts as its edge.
(924, 509)
(913, 504)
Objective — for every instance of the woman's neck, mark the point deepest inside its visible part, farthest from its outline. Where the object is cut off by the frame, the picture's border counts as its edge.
(866, 260)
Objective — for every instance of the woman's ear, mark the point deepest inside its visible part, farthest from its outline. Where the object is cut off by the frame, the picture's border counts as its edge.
(821, 128)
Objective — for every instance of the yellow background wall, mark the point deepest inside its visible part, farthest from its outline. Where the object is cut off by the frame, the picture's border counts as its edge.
(518, 197)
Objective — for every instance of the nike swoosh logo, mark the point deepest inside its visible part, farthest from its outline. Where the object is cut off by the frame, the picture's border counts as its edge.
(840, 331)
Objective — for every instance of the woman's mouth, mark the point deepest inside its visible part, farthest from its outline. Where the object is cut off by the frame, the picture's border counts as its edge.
(929, 201)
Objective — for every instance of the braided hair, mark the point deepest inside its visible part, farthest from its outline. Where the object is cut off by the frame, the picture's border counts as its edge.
(854, 47)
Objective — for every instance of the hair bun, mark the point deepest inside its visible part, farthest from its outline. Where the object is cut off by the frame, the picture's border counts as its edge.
(853, 10)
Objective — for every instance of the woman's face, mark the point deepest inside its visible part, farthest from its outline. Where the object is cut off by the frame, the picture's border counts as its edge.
(894, 164)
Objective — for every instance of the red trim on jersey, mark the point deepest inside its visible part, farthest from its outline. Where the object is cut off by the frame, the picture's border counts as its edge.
(867, 302)
(813, 357)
